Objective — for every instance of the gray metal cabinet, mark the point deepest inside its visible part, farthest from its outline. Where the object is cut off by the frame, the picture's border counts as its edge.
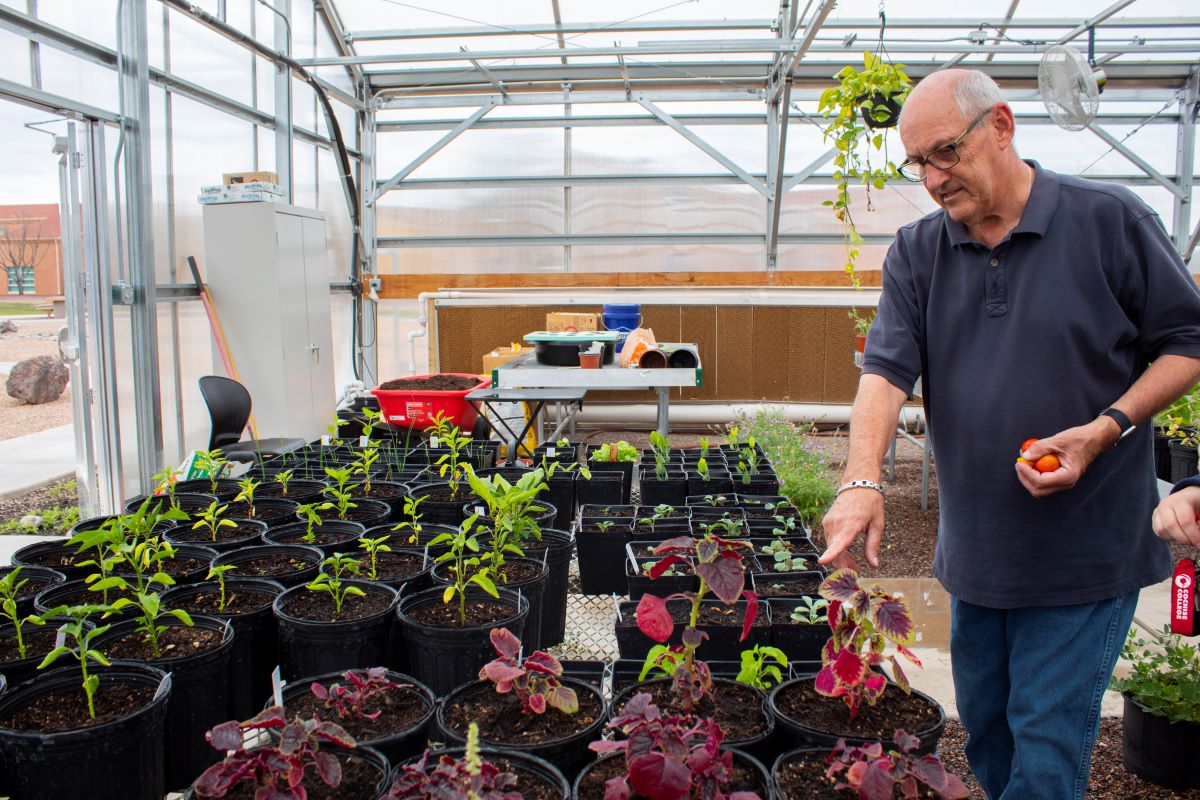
(268, 271)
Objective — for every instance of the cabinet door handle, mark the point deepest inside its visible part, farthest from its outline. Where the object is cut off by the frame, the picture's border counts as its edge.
(316, 350)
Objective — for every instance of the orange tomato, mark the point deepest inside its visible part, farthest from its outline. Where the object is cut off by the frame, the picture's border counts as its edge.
(1047, 463)
(1025, 445)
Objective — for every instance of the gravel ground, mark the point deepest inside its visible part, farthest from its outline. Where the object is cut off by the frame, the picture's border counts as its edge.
(34, 337)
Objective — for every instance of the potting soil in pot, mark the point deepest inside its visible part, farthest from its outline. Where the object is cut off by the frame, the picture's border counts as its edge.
(737, 708)
(802, 777)
(893, 710)
(270, 566)
(360, 781)
(743, 778)
(69, 711)
(501, 720)
(531, 782)
(392, 566)
(237, 601)
(397, 709)
(788, 587)
(174, 642)
(319, 606)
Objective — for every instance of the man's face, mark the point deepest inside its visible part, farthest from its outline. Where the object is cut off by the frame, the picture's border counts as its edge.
(967, 189)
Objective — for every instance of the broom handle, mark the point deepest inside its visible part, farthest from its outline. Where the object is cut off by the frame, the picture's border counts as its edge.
(218, 332)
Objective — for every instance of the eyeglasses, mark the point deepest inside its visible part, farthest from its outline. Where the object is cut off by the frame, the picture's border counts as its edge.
(944, 157)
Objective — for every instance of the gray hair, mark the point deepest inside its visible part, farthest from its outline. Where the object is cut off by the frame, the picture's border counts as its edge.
(975, 93)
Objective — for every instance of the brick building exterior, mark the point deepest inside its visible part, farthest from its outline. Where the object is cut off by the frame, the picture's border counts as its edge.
(30, 233)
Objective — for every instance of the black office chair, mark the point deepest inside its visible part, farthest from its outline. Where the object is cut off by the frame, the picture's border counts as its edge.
(229, 408)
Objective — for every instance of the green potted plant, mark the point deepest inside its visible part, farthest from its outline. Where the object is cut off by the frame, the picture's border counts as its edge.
(1161, 732)
(860, 109)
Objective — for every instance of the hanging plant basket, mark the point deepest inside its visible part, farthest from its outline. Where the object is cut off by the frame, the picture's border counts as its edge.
(879, 110)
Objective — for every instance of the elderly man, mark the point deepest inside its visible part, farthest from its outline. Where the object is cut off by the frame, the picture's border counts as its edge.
(1033, 306)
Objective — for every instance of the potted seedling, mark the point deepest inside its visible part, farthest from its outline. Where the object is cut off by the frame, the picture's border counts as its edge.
(49, 722)
(213, 464)
(196, 650)
(333, 622)
(615, 457)
(603, 533)
(1161, 730)
(864, 621)
(526, 704)
(667, 482)
(762, 667)
(446, 630)
(297, 757)
(20, 649)
(381, 709)
(320, 526)
(666, 756)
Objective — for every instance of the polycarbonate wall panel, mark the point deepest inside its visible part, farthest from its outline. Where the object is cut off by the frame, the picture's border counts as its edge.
(662, 208)
(643, 150)
(484, 153)
(14, 58)
(484, 212)
(212, 61)
(470, 260)
(667, 258)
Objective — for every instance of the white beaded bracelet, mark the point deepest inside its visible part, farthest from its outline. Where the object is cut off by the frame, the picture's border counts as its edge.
(860, 483)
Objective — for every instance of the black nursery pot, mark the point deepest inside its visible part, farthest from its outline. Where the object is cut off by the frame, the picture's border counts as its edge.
(1162, 455)
(762, 779)
(623, 467)
(1183, 460)
(395, 746)
(723, 640)
(249, 532)
(604, 488)
(300, 490)
(252, 562)
(444, 657)
(55, 555)
(719, 482)
(1158, 750)
(39, 579)
(799, 641)
(569, 753)
(255, 639)
(191, 563)
(367, 755)
(331, 536)
(446, 512)
(270, 510)
(533, 589)
(227, 488)
(309, 647)
(884, 111)
(123, 757)
(536, 777)
(602, 558)
(557, 546)
(199, 696)
(672, 490)
(189, 499)
(793, 733)
(560, 493)
(390, 493)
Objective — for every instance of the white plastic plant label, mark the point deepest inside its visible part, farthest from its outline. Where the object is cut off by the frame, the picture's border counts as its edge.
(60, 639)
(479, 510)
(364, 441)
(434, 442)
(550, 451)
(325, 440)
(277, 686)
(164, 686)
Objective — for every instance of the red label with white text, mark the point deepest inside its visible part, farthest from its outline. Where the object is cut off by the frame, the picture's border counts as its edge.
(1183, 598)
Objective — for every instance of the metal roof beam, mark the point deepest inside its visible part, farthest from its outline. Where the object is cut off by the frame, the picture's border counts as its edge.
(617, 239)
(429, 153)
(492, 79)
(1116, 144)
(848, 23)
(810, 170)
(711, 151)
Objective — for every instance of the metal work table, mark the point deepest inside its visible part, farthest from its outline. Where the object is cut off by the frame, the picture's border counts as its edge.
(524, 372)
(569, 398)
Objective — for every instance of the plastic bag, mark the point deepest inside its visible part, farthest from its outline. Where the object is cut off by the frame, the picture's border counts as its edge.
(637, 342)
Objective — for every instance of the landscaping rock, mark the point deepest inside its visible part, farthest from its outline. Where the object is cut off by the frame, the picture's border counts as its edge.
(38, 380)
(8, 326)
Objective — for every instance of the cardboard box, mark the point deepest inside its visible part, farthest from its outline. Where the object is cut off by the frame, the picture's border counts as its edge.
(501, 355)
(558, 321)
(230, 178)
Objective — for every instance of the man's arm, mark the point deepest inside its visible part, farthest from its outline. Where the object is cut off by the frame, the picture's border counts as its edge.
(872, 428)
(1076, 448)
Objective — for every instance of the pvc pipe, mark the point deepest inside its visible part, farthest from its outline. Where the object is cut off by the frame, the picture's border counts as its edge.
(704, 414)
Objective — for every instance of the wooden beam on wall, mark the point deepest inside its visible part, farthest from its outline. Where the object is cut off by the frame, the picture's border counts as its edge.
(408, 287)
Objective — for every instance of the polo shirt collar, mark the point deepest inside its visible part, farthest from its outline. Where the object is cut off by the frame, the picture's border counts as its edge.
(1039, 209)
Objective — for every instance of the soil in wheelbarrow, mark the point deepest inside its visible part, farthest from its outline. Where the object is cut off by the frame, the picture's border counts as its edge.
(436, 383)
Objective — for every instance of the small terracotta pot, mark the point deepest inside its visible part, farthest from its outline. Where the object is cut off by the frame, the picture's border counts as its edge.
(589, 361)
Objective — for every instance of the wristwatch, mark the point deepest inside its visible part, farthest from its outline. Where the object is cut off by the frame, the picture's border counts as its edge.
(1123, 422)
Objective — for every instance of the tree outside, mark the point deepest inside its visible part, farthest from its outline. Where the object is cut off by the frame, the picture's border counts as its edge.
(22, 243)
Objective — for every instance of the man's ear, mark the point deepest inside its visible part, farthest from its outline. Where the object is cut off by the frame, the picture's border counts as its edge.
(1003, 125)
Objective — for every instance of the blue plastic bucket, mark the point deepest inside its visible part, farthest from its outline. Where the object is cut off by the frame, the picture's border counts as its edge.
(622, 317)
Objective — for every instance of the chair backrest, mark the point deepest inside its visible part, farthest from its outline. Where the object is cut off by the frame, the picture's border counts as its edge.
(229, 407)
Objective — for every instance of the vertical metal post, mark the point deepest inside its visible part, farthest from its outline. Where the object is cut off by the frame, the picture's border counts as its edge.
(100, 338)
(283, 98)
(143, 316)
(172, 255)
(1185, 159)
(567, 110)
(35, 54)
(74, 346)
(369, 364)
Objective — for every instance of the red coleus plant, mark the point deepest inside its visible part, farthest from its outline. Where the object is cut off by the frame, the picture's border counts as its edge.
(467, 778)
(863, 621)
(361, 693)
(534, 680)
(277, 771)
(876, 774)
(718, 564)
(672, 757)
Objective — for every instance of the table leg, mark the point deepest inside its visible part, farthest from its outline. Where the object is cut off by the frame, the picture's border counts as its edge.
(664, 402)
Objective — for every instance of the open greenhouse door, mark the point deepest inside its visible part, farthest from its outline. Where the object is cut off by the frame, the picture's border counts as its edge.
(86, 343)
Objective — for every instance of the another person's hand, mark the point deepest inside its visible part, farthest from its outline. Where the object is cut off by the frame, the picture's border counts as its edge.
(1175, 517)
(1075, 448)
(853, 512)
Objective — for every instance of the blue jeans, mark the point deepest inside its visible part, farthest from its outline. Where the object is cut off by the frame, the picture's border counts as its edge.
(1028, 683)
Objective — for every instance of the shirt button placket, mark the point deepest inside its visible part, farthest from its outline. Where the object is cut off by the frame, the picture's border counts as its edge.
(996, 300)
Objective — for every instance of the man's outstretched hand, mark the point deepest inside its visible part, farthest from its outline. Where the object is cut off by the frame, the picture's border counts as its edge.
(854, 511)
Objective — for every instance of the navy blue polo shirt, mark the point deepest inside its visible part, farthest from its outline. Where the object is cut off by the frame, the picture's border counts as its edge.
(1025, 340)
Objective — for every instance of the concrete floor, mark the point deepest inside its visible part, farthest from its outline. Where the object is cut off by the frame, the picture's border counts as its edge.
(30, 462)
